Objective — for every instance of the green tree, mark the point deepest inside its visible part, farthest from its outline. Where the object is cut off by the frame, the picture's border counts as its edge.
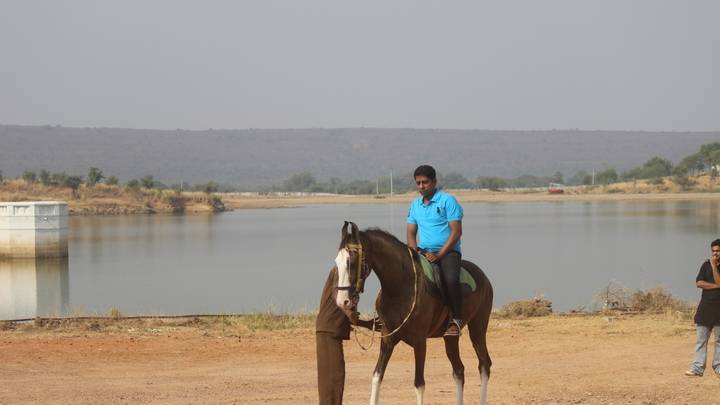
(211, 187)
(454, 180)
(58, 178)
(581, 178)
(133, 184)
(45, 178)
(72, 182)
(29, 176)
(491, 183)
(557, 178)
(147, 181)
(112, 181)
(607, 176)
(94, 176)
(1, 177)
(299, 182)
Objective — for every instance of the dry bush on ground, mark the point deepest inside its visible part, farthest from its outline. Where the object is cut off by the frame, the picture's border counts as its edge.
(538, 306)
(656, 300)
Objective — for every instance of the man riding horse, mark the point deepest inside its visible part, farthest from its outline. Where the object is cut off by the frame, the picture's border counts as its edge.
(438, 217)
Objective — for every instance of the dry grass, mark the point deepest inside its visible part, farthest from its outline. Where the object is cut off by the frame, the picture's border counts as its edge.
(116, 323)
(112, 199)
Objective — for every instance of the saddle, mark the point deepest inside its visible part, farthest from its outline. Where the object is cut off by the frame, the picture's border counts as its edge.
(432, 275)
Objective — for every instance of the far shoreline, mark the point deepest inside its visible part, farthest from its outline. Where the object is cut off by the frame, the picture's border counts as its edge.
(251, 200)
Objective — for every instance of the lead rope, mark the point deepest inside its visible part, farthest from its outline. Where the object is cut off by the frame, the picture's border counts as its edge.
(412, 308)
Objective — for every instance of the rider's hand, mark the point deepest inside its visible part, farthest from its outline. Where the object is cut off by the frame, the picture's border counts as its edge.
(432, 257)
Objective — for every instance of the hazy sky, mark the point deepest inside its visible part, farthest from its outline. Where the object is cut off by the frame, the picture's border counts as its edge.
(625, 64)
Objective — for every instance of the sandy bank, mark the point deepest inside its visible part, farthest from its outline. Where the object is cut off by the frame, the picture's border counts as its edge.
(616, 359)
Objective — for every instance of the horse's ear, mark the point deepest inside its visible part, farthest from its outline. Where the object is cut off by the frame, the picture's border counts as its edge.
(355, 231)
(344, 230)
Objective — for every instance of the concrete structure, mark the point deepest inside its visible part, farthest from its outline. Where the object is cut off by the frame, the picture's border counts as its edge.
(33, 229)
(34, 287)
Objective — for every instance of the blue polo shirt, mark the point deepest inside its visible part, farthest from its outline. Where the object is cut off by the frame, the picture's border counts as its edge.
(432, 220)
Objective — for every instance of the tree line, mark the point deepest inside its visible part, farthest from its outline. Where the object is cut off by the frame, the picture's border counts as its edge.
(96, 176)
(706, 160)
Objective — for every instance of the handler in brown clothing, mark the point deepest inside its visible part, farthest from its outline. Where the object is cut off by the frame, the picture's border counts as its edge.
(331, 328)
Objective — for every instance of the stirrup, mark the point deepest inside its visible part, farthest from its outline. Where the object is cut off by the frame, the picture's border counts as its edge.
(454, 328)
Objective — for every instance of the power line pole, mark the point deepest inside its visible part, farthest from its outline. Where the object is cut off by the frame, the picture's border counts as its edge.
(391, 183)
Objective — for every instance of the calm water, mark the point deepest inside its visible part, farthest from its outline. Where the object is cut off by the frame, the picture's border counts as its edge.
(278, 259)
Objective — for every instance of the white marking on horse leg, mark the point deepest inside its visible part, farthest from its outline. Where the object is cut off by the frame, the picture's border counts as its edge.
(458, 389)
(341, 261)
(375, 394)
(420, 394)
(484, 378)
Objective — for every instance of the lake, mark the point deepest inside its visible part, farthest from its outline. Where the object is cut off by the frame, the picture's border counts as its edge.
(278, 259)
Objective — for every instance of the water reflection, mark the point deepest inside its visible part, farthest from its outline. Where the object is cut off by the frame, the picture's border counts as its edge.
(34, 287)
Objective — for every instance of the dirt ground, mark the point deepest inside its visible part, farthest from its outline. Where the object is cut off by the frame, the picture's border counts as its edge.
(599, 359)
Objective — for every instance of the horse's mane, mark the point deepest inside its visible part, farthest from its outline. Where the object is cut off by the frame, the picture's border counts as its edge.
(388, 237)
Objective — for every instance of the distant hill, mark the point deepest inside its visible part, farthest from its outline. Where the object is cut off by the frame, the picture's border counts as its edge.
(255, 157)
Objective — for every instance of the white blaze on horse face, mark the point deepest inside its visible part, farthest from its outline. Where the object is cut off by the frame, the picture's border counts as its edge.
(341, 261)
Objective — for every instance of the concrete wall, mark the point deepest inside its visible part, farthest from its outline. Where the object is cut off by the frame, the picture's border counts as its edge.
(33, 229)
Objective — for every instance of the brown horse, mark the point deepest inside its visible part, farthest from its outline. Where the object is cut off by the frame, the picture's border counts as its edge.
(408, 310)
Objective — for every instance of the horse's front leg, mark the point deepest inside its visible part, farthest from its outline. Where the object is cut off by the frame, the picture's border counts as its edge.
(386, 349)
(420, 348)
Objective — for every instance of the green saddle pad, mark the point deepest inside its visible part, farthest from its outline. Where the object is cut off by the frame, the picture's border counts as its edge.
(466, 280)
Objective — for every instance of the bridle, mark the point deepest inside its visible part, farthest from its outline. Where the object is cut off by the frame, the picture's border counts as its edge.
(361, 270)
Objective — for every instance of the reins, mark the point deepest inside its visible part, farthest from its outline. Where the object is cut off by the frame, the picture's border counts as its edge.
(412, 308)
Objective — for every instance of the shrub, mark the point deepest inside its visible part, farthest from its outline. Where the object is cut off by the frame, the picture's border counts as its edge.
(538, 306)
(148, 181)
(29, 176)
(656, 181)
(613, 296)
(655, 300)
(685, 182)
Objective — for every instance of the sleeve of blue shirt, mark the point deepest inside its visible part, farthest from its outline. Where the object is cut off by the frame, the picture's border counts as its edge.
(453, 209)
(410, 217)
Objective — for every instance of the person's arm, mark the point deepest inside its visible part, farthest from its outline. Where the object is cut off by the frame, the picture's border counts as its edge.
(370, 324)
(412, 236)
(705, 285)
(702, 280)
(455, 234)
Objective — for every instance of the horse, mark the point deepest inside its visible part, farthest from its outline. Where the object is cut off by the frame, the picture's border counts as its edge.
(408, 310)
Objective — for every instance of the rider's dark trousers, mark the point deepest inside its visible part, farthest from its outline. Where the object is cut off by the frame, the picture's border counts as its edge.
(450, 269)
(331, 368)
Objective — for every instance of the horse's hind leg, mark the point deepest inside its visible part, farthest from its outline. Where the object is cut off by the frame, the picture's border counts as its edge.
(452, 349)
(386, 350)
(478, 329)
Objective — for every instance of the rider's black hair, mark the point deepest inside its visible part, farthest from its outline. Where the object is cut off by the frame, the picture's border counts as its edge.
(425, 170)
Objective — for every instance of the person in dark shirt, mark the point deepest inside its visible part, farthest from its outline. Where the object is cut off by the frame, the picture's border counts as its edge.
(332, 326)
(707, 316)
